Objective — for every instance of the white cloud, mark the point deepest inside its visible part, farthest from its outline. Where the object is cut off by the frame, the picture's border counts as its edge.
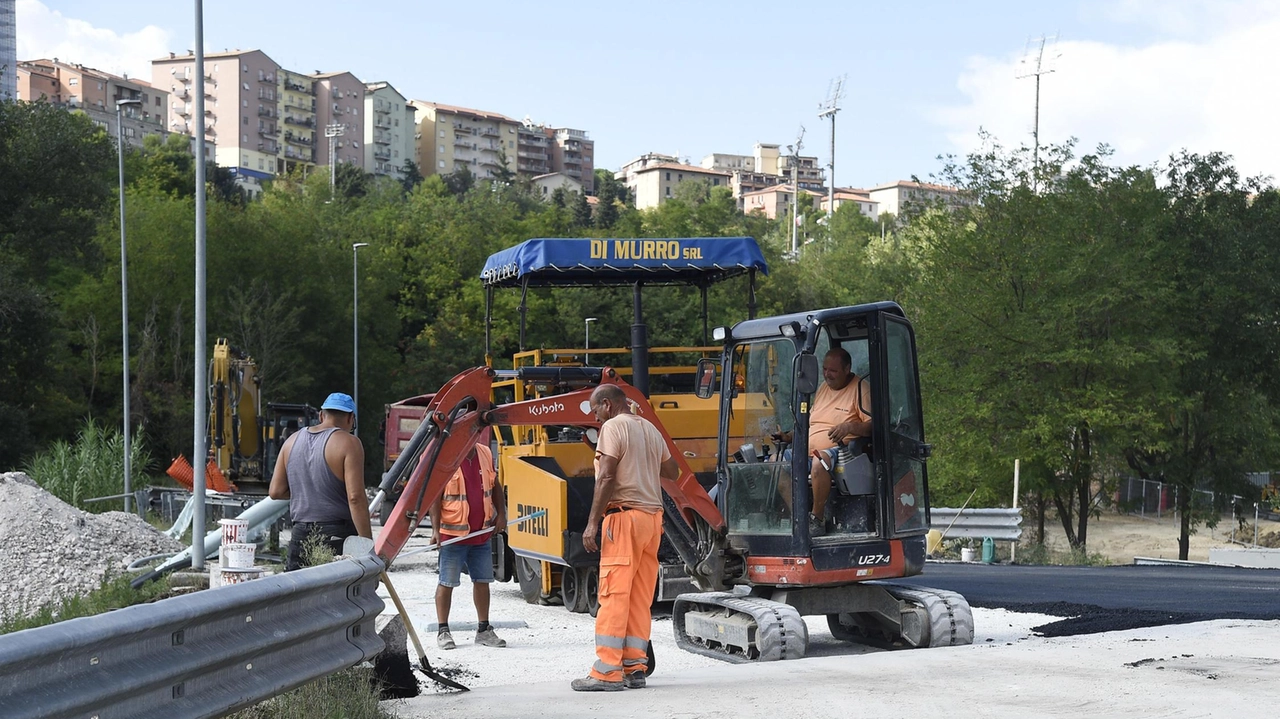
(45, 33)
(1214, 92)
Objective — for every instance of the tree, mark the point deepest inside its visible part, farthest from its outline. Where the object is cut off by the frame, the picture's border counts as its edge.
(581, 210)
(504, 175)
(460, 181)
(1217, 403)
(606, 194)
(411, 176)
(1037, 310)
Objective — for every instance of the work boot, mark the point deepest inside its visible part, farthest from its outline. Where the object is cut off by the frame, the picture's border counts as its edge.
(634, 680)
(489, 638)
(445, 640)
(817, 527)
(591, 684)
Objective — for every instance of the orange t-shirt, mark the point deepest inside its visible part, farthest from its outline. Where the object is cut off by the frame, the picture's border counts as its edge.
(640, 450)
(833, 407)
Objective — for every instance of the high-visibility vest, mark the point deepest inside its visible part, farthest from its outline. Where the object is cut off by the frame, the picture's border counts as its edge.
(454, 510)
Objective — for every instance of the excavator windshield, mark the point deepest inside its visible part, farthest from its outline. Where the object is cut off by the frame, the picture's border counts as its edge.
(763, 382)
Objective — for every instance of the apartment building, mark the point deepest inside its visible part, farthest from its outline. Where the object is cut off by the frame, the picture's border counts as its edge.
(846, 195)
(450, 138)
(241, 108)
(657, 183)
(895, 197)
(533, 149)
(765, 168)
(573, 153)
(776, 201)
(297, 95)
(627, 174)
(8, 50)
(389, 130)
(94, 92)
(340, 120)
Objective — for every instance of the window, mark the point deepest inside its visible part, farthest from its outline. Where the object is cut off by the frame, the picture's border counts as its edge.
(442, 164)
(715, 181)
(511, 143)
(668, 190)
(246, 119)
(246, 86)
(73, 81)
(442, 133)
(158, 101)
(246, 103)
(246, 68)
(440, 149)
(668, 179)
(99, 86)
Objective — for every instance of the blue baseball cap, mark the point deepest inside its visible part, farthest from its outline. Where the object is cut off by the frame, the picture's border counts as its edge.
(339, 401)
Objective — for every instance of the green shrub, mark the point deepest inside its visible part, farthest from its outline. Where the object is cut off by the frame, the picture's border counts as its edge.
(115, 593)
(1040, 554)
(349, 694)
(91, 467)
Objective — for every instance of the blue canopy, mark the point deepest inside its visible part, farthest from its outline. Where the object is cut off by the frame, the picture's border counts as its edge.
(697, 261)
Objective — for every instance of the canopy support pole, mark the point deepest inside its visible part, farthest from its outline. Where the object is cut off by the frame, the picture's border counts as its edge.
(751, 294)
(524, 308)
(488, 320)
(704, 315)
(639, 344)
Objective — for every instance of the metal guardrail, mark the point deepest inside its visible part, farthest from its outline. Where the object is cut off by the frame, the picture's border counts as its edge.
(203, 654)
(1002, 524)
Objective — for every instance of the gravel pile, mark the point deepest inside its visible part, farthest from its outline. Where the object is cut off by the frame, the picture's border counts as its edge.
(49, 549)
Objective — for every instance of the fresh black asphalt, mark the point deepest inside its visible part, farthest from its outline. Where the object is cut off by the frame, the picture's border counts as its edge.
(1103, 599)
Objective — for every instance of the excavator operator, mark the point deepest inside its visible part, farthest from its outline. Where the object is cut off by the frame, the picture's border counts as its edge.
(841, 412)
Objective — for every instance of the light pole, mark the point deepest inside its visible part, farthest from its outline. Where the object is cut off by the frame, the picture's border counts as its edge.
(355, 331)
(332, 131)
(587, 355)
(124, 299)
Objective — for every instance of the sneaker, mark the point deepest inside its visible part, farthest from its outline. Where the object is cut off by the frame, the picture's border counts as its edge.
(445, 640)
(489, 638)
(634, 680)
(591, 684)
(817, 527)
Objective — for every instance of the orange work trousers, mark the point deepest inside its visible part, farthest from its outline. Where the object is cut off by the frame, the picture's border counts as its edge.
(628, 576)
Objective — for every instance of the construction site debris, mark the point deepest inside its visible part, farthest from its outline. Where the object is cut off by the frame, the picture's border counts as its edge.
(52, 550)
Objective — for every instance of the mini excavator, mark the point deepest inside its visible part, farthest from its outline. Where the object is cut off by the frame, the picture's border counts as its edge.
(759, 571)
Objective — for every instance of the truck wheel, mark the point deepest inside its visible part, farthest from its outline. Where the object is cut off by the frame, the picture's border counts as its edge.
(593, 591)
(529, 574)
(573, 589)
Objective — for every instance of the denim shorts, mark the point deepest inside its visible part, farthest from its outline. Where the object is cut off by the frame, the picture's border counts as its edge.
(830, 454)
(475, 559)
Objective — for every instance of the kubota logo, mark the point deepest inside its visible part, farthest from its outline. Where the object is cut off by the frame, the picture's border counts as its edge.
(541, 409)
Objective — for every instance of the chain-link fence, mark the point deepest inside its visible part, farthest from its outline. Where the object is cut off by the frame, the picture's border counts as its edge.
(1149, 498)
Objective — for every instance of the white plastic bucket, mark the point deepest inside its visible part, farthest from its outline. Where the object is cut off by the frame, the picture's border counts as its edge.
(966, 554)
(236, 556)
(240, 576)
(234, 531)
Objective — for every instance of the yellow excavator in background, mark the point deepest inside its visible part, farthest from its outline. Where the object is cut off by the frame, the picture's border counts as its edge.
(245, 441)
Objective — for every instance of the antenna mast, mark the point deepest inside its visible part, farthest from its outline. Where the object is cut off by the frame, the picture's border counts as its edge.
(829, 109)
(1041, 64)
(795, 190)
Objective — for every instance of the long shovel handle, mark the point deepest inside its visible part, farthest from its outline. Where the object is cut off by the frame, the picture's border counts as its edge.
(417, 644)
(477, 533)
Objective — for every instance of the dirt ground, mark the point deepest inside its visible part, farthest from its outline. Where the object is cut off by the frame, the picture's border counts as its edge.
(1121, 537)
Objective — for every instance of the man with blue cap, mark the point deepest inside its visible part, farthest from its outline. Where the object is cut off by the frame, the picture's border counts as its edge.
(320, 471)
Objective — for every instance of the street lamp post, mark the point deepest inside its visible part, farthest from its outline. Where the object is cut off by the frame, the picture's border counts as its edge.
(587, 355)
(355, 331)
(124, 300)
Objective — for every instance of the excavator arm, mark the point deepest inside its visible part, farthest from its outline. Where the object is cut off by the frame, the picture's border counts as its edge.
(462, 411)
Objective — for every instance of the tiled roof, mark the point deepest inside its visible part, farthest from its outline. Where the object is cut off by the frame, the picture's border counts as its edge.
(478, 114)
(682, 168)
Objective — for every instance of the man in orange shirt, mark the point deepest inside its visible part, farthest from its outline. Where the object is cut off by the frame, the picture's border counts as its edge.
(841, 412)
(631, 459)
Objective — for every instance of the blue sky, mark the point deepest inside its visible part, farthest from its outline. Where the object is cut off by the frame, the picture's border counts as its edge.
(1148, 77)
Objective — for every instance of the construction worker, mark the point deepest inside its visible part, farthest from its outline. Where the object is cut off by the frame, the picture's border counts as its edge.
(631, 456)
(472, 500)
(320, 471)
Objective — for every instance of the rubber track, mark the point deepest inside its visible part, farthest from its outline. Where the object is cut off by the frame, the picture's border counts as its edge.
(950, 618)
(780, 631)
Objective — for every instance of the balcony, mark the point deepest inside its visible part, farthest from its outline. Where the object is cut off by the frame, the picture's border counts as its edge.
(490, 132)
(300, 121)
(382, 153)
(300, 108)
(293, 139)
(459, 142)
(299, 87)
(268, 79)
(266, 112)
(576, 174)
(268, 132)
(382, 139)
(531, 155)
(382, 122)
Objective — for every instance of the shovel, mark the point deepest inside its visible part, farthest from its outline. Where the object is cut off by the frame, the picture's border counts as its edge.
(356, 546)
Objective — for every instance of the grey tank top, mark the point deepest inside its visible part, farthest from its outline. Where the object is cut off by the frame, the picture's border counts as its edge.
(315, 492)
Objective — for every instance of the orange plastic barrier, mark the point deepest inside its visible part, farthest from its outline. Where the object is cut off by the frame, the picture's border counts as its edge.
(182, 473)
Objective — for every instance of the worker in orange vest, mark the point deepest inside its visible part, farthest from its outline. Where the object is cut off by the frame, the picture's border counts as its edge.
(472, 500)
(631, 459)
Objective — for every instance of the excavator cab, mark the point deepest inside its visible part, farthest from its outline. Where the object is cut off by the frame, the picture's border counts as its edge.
(879, 483)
